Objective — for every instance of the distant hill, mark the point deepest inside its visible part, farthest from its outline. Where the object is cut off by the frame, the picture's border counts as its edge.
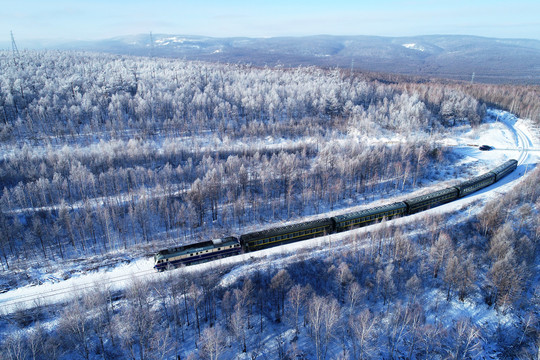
(449, 56)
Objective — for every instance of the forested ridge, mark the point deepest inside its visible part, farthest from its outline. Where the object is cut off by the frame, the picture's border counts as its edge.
(108, 158)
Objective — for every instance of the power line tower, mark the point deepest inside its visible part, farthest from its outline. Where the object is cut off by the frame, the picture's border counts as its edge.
(16, 54)
(151, 45)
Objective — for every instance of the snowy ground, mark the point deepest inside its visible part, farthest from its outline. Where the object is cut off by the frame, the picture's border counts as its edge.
(511, 138)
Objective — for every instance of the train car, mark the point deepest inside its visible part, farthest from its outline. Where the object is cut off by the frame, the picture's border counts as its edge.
(197, 253)
(424, 202)
(369, 216)
(475, 184)
(504, 169)
(286, 234)
(211, 250)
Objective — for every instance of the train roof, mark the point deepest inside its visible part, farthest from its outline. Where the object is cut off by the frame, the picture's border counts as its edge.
(421, 198)
(504, 166)
(196, 247)
(286, 229)
(371, 211)
(474, 180)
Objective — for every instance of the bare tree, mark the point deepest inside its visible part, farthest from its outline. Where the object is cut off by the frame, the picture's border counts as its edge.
(296, 298)
(196, 196)
(397, 329)
(136, 323)
(466, 342)
(502, 242)
(506, 279)
(36, 339)
(363, 330)
(440, 251)
(452, 274)
(525, 249)
(238, 324)
(343, 277)
(161, 344)
(431, 336)
(280, 283)
(99, 299)
(245, 296)
(75, 328)
(227, 305)
(385, 282)
(528, 324)
(466, 280)
(355, 293)
(414, 286)
(13, 346)
(491, 216)
(323, 316)
(212, 342)
(195, 295)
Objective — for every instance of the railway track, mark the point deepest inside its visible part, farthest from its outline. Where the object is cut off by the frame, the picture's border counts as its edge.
(65, 292)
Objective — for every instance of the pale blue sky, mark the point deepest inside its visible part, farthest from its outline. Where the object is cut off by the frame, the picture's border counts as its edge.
(99, 19)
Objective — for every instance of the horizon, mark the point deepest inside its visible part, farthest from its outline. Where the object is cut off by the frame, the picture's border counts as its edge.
(44, 44)
(65, 21)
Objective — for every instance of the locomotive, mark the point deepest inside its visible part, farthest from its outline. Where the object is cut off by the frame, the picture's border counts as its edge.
(253, 241)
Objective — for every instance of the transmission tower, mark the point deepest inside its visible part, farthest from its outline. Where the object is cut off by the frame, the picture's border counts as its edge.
(151, 45)
(472, 78)
(16, 55)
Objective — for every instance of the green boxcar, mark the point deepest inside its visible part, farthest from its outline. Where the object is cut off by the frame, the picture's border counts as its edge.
(369, 216)
(424, 202)
(286, 234)
(475, 184)
(504, 169)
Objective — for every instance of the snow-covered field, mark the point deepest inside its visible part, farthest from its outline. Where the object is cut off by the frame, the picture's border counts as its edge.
(511, 138)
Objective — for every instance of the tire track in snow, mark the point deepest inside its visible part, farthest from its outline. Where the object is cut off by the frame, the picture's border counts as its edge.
(523, 141)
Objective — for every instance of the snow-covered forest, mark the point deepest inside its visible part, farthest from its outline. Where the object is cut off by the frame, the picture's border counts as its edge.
(115, 157)
(103, 152)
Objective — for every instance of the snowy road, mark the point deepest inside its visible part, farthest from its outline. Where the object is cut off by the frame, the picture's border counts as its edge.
(523, 141)
(509, 133)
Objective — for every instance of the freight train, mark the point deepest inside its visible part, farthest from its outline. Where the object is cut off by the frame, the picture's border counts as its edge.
(253, 241)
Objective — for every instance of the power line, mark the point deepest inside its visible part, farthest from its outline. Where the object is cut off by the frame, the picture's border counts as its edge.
(15, 50)
(151, 45)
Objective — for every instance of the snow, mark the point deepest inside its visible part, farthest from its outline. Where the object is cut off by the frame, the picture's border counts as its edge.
(512, 138)
(414, 46)
(62, 291)
(173, 39)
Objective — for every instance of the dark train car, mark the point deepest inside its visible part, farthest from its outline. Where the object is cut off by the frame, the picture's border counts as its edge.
(211, 250)
(369, 216)
(475, 184)
(504, 169)
(197, 253)
(286, 234)
(424, 202)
